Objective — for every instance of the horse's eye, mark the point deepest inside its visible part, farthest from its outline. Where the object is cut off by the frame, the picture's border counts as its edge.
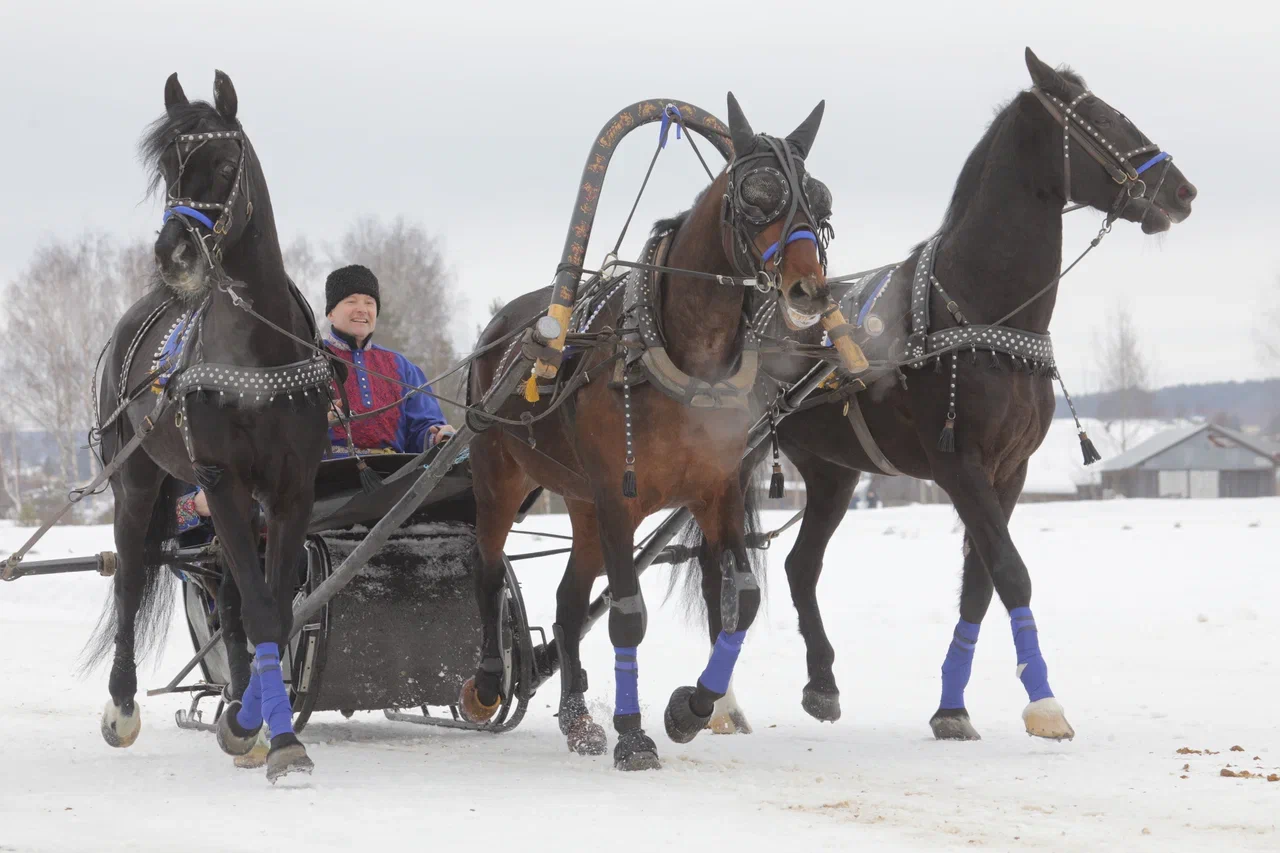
(1102, 121)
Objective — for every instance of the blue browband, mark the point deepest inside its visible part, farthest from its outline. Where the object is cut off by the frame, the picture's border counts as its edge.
(197, 215)
(795, 235)
(1162, 156)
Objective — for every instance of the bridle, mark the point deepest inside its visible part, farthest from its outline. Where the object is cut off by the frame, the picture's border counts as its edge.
(1117, 164)
(191, 212)
(740, 221)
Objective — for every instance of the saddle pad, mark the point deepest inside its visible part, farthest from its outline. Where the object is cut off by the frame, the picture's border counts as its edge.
(858, 298)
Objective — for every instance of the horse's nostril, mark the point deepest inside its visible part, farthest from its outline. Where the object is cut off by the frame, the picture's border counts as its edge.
(178, 251)
(1186, 192)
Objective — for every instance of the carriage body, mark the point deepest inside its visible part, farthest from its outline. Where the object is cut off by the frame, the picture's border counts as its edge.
(404, 634)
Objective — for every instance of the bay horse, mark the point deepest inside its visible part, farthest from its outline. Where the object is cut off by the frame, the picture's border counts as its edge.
(972, 422)
(628, 448)
(246, 420)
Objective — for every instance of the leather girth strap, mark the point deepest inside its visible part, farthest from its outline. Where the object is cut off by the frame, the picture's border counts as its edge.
(643, 293)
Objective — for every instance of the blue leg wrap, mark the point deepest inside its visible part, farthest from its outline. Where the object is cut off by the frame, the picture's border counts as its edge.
(1031, 666)
(250, 715)
(724, 656)
(958, 665)
(275, 699)
(626, 674)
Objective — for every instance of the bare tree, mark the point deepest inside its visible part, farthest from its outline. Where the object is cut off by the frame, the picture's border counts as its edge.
(1125, 376)
(1268, 333)
(303, 265)
(60, 312)
(418, 296)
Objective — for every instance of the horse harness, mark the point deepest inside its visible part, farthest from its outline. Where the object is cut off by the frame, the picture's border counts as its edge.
(178, 370)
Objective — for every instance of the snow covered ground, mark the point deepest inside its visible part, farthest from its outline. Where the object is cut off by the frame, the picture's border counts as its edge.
(1160, 621)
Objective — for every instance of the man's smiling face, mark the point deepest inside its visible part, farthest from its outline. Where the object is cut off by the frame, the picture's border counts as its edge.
(357, 316)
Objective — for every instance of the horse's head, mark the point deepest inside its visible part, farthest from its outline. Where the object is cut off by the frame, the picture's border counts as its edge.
(201, 155)
(1110, 164)
(776, 216)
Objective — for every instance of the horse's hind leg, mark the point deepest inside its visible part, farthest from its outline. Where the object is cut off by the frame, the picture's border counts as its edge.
(136, 488)
(985, 511)
(500, 487)
(584, 735)
(951, 720)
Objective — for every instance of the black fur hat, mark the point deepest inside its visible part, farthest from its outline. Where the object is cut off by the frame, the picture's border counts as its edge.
(345, 281)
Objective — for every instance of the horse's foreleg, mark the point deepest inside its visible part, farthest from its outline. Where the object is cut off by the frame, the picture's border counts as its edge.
(722, 519)
(287, 521)
(136, 494)
(828, 489)
(985, 511)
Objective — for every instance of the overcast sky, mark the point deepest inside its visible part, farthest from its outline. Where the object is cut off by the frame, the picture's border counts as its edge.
(474, 119)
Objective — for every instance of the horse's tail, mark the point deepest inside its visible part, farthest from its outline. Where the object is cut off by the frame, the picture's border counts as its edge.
(155, 611)
(686, 577)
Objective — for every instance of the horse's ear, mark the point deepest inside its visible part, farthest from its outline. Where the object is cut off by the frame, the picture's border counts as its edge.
(173, 94)
(802, 137)
(1045, 77)
(224, 96)
(744, 138)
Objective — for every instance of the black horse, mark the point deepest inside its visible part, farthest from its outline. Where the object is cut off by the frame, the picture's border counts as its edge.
(975, 401)
(246, 418)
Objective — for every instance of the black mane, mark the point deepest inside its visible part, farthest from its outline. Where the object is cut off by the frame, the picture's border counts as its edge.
(970, 177)
(671, 223)
(177, 120)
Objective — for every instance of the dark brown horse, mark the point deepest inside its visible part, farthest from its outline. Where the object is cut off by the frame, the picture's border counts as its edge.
(755, 216)
(970, 419)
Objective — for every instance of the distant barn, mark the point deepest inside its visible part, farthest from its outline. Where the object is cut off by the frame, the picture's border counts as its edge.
(1197, 461)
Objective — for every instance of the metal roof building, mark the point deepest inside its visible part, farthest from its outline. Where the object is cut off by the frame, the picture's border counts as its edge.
(1197, 461)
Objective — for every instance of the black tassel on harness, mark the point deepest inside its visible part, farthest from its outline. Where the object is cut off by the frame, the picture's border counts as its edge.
(1091, 454)
(370, 480)
(629, 482)
(947, 439)
(777, 484)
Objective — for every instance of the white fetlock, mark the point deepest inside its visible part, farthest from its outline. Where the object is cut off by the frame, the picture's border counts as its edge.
(120, 730)
(1045, 718)
(727, 718)
(256, 757)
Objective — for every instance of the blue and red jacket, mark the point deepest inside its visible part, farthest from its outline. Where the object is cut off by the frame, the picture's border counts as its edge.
(402, 428)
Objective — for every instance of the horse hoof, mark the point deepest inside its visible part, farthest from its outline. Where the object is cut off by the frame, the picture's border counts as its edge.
(587, 737)
(1045, 718)
(470, 706)
(682, 722)
(120, 727)
(636, 751)
(231, 737)
(953, 724)
(287, 756)
(823, 707)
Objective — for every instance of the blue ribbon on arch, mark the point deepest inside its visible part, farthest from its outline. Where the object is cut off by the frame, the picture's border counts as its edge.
(801, 234)
(668, 113)
(188, 211)
(1162, 156)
